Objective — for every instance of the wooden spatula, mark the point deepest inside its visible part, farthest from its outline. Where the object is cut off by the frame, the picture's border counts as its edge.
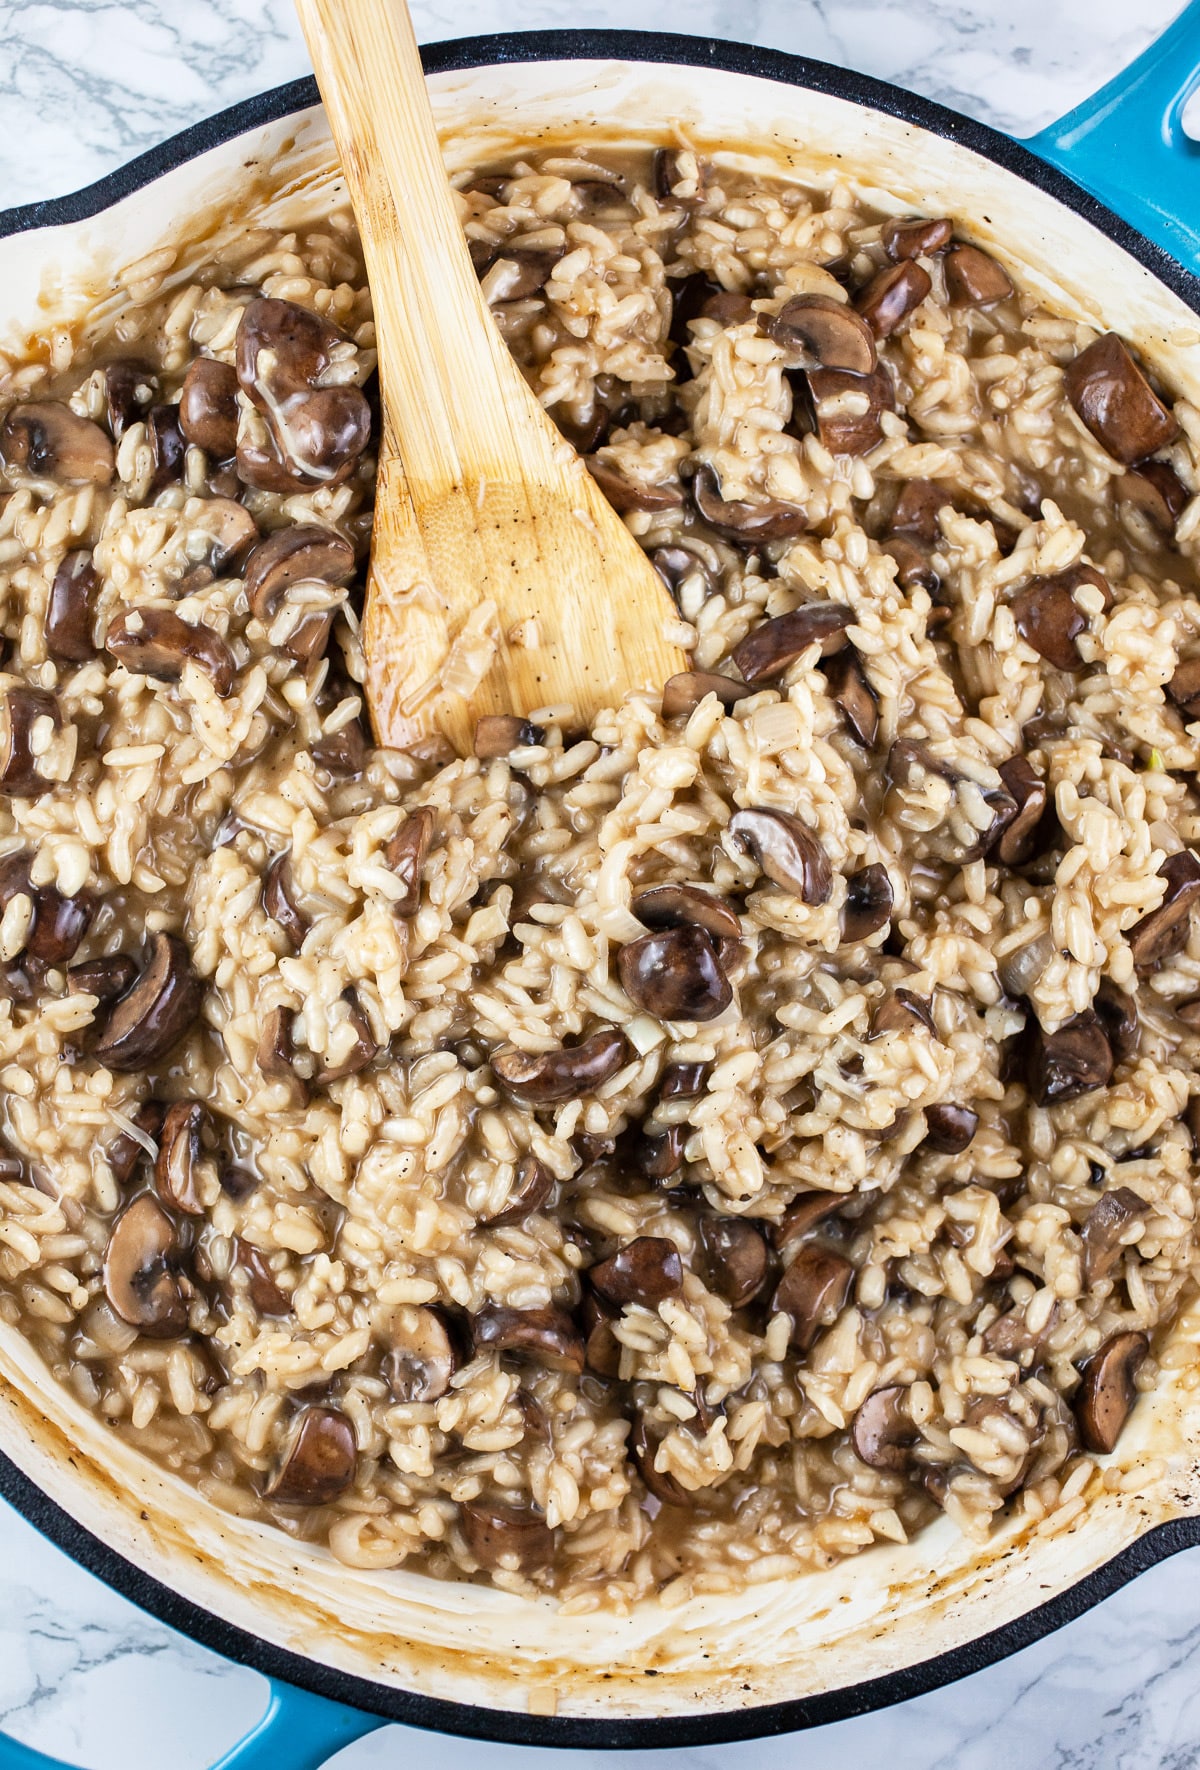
(501, 581)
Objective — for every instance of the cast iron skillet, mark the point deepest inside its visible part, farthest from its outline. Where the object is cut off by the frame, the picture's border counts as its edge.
(1127, 146)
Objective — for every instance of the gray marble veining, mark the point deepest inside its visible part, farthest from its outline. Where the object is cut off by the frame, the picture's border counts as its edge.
(85, 85)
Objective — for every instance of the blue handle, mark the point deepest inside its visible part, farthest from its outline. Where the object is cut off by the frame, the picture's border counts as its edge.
(1126, 144)
(297, 1732)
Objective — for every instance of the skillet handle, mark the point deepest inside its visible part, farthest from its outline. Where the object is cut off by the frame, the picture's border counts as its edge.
(1126, 144)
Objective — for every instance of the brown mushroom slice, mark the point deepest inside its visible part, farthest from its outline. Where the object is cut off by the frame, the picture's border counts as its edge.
(974, 278)
(156, 642)
(23, 711)
(1119, 1017)
(626, 494)
(1010, 1335)
(869, 903)
(261, 1287)
(317, 433)
(48, 440)
(320, 1460)
(1108, 1390)
(806, 1211)
(675, 565)
(1163, 933)
(771, 648)
(1157, 493)
(179, 1150)
(747, 524)
(914, 566)
(1050, 620)
(543, 1078)
(853, 694)
(421, 1359)
(949, 1129)
(918, 508)
(59, 924)
(276, 1054)
(891, 296)
(129, 388)
(106, 979)
(844, 411)
(139, 1277)
(882, 1433)
(302, 554)
(817, 331)
(230, 531)
(643, 1449)
(67, 627)
(548, 1335)
(167, 447)
(208, 408)
(147, 1022)
(279, 902)
(1184, 688)
(675, 906)
(682, 694)
(125, 1152)
(737, 1260)
(812, 1293)
(1016, 840)
(1103, 1231)
(525, 271)
(646, 1270)
(1076, 1059)
(513, 1538)
(915, 236)
(363, 1051)
(785, 850)
(602, 1349)
(498, 734)
(531, 1188)
(1117, 403)
(675, 975)
(901, 1011)
(405, 855)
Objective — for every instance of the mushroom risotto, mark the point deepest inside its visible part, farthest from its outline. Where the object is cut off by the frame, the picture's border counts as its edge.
(657, 1157)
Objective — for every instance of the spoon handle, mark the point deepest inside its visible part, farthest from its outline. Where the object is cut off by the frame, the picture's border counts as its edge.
(450, 388)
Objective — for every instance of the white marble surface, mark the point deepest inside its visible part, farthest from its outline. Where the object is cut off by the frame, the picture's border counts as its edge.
(85, 84)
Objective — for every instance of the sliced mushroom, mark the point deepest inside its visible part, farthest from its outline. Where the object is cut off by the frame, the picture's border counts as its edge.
(129, 389)
(675, 565)
(1157, 493)
(812, 1293)
(1010, 1335)
(949, 1129)
(279, 901)
(208, 408)
(498, 734)
(1016, 841)
(531, 1188)
(106, 979)
(519, 271)
(747, 524)
(1184, 688)
(770, 649)
(643, 1449)
(918, 508)
(646, 1270)
(684, 1081)
(542, 1078)
(1050, 620)
(890, 297)
(914, 566)
(276, 1054)
(974, 279)
(67, 627)
(844, 411)
(1117, 403)
(1076, 1059)
(167, 447)
(915, 236)
(1109, 1389)
(179, 1150)
(140, 1280)
(626, 494)
(869, 903)
(514, 1538)
(675, 975)
(737, 1261)
(682, 694)
(125, 1152)
(1103, 1231)
(421, 1359)
(300, 555)
(676, 906)
(882, 1433)
(50, 441)
(818, 332)
(363, 1051)
(602, 1349)
(406, 854)
(59, 924)
(24, 709)
(851, 691)
(1119, 1017)
(155, 642)
(785, 850)
(1163, 933)
(548, 1335)
(147, 1022)
(806, 1211)
(261, 1287)
(320, 1460)
(667, 174)
(315, 434)
(229, 529)
(902, 1012)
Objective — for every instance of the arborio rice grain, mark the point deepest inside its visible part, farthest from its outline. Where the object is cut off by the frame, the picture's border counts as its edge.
(647, 1159)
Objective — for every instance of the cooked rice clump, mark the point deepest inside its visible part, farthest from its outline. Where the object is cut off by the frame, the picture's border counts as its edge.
(896, 1232)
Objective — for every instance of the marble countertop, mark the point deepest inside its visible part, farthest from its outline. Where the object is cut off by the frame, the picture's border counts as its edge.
(85, 85)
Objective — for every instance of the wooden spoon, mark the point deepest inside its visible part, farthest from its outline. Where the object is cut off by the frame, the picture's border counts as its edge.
(501, 580)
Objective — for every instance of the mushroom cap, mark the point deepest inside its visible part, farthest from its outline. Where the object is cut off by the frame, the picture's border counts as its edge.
(139, 1280)
(147, 1022)
(319, 1461)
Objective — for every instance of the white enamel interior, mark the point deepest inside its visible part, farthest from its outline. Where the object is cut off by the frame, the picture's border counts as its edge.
(885, 1610)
